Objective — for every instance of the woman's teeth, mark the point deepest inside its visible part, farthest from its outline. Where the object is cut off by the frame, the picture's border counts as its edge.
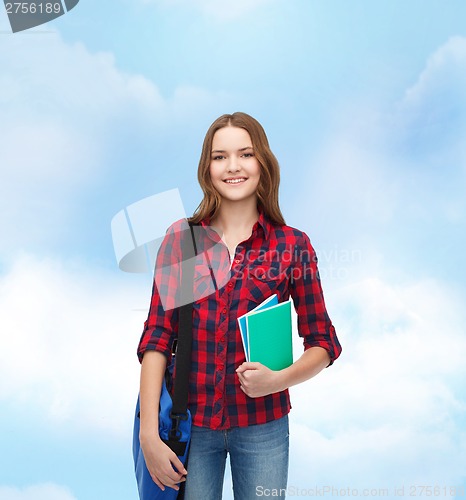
(235, 181)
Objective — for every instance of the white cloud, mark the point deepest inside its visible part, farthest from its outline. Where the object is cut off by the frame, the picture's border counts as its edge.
(392, 174)
(64, 111)
(443, 75)
(68, 343)
(59, 105)
(390, 411)
(431, 118)
(47, 491)
(69, 96)
(222, 11)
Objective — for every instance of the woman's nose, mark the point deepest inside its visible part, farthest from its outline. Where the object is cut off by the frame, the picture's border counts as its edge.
(233, 164)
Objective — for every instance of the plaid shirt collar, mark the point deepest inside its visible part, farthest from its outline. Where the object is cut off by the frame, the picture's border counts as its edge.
(262, 222)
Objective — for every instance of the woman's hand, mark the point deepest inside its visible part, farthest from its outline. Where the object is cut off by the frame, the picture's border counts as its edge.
(160, 460)
(257, 380)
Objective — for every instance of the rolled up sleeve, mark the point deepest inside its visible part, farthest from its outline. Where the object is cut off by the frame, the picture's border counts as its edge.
(314, 324)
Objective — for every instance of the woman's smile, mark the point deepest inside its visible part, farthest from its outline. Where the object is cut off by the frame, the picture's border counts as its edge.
(235, 180)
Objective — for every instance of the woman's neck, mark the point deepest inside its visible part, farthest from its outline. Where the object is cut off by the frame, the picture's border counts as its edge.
(236, 217)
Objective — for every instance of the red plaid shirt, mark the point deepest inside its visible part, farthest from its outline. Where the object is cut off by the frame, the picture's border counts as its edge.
(275, 259)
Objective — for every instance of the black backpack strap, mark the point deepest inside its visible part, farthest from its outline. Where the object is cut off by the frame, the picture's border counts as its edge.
(185, 337)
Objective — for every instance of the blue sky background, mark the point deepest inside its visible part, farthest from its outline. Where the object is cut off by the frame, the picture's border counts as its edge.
(364, 104)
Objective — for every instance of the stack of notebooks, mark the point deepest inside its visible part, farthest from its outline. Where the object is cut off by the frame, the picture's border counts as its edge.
(266, 334)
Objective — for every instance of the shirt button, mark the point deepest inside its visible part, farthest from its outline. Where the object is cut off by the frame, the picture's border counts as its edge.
(224, 310)
(230, 284)
(237, 261)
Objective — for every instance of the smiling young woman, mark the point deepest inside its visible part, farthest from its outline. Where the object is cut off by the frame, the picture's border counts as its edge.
(238, 408)
(254, 134)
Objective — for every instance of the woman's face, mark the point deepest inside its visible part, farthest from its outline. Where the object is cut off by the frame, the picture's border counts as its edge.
(234, 169)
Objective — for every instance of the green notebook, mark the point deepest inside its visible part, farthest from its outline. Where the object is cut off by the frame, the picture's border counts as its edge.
(269, 336)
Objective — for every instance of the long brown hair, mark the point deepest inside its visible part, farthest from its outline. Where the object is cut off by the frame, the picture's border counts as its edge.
(267, 189)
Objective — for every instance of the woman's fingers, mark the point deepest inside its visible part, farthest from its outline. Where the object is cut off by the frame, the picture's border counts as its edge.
(178, 465)
(161, 462)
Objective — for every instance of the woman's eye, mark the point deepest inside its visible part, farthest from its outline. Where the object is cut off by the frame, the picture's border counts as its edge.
(248, 155)
(217, 157)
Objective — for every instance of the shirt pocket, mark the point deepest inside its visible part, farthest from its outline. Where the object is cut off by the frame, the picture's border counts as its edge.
(263, 279)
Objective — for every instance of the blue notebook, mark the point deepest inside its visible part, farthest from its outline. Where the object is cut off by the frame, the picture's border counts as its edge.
(243, 328)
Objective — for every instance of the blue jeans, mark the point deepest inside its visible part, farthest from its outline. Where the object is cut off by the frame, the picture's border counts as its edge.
(258, 460)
